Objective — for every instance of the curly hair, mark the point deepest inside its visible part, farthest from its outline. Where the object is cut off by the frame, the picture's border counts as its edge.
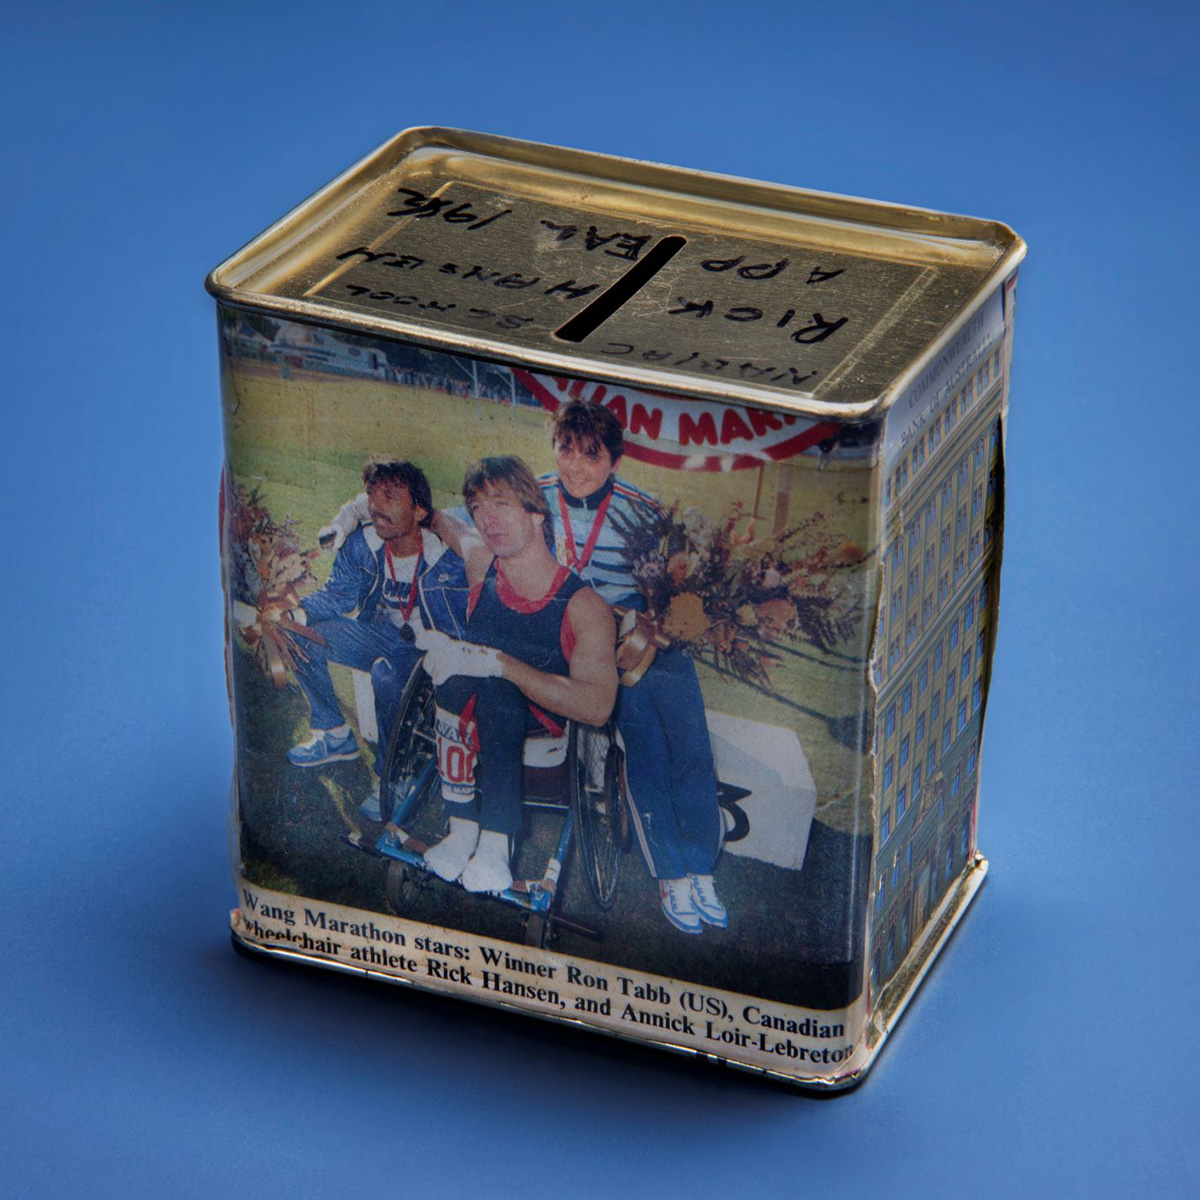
(385, 470)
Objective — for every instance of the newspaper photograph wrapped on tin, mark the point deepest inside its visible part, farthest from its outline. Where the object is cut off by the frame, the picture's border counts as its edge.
(611, 556)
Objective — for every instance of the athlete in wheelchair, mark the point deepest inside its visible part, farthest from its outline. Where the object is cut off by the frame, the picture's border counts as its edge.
(538, 659)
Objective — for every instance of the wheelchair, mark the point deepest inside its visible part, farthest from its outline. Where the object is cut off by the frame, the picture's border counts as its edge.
(579, 775)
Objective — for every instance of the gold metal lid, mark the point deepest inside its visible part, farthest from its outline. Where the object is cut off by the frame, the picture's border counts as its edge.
(655, 276)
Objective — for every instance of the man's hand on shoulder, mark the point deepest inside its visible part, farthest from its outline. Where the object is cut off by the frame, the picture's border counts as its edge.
(349, 517)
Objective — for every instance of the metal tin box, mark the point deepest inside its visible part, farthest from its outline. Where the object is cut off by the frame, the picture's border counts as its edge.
(611, 554)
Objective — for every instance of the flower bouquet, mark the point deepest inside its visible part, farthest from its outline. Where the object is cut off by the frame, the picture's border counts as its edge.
(735, 598)
(267, 569)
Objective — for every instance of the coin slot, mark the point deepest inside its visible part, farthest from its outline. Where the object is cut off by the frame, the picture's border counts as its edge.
(589, 319)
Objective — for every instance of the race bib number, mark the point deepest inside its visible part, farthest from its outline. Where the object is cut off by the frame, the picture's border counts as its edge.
(456, 755)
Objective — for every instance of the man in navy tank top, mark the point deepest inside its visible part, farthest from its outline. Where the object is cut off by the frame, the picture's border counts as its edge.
(539, 650)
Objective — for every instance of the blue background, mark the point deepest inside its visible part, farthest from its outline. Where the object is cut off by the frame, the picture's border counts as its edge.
(1052, 1051)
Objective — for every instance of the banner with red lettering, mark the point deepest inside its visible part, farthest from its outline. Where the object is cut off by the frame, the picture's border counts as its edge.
(688, 435)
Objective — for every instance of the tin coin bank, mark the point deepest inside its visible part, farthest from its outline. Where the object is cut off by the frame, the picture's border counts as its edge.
(611, 562)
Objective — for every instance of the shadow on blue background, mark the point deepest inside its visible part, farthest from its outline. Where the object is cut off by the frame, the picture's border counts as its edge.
(1051, 1051)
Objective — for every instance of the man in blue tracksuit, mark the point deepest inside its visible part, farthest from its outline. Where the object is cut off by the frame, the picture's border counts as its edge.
(669, 761)
(392, 581)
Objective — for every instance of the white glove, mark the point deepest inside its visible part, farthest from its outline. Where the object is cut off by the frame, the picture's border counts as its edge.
(333, 536)
(428, 639)
(449, 658)
(244, 615)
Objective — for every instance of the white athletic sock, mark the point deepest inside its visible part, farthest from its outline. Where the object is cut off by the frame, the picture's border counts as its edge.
(339, 732)
(488, 870)
(447, 859)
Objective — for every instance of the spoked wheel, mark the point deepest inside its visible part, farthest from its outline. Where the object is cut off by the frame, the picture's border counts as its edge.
(411, 753)
(597, 808)
(401, 885)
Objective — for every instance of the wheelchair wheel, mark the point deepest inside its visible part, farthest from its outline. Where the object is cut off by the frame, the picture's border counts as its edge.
(401, 886)
(597, 808)
(412, 750)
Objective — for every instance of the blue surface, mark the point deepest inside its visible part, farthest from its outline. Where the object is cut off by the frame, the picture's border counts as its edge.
(1052, 1052)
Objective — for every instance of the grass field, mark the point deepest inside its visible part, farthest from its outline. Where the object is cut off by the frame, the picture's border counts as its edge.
(302, 441)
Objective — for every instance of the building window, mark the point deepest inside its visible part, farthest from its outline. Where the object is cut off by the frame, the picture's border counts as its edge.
(889, 721)
(969, 614)
(908, 857)
(976, 693)
(887, 771)
(962, 715)
(949, 688)
(896, 864)
(956, 783)
(879, 896)
(966, 835)
(906, 701)
(903, 755)
(885, 826)
(946, 736)
(916, 781)
(954, 633)
(901, 803)
(897, 602)
(971, 759)
(935, 707)
(923, 678)
(979, 645)
(937, 657)
(965, 673)
(919, 736)
(931, 758)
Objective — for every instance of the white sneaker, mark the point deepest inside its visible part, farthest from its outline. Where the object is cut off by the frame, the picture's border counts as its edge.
(678, 905)
(704, 896)
(488, 870)
(448, 858)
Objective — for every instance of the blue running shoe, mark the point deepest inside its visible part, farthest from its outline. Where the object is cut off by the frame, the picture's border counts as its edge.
(678, 905)
(704, 897)
(321, 748)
